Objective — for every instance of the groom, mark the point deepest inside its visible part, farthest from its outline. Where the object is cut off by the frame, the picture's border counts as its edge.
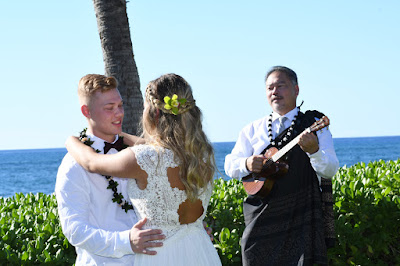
(99, 228)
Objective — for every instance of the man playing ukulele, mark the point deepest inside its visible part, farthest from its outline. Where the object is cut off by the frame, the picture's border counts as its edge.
(285, 227)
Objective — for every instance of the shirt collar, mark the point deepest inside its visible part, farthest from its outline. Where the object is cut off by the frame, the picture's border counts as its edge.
(98, 143)
(289, 115)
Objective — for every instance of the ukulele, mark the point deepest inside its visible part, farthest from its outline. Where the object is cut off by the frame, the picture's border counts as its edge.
(260, 184)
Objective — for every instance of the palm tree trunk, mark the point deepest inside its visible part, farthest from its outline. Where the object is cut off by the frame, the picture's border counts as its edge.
(113, 26)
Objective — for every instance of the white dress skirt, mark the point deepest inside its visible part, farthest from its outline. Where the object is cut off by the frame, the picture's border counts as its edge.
(189, 246)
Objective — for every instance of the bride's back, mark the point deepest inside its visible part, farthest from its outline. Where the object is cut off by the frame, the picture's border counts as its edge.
(189, 211)
(162, 198)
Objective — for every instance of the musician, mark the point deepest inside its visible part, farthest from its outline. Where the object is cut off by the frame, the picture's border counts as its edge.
(285, 227)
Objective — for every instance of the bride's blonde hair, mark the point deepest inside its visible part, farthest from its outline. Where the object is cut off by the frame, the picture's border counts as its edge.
(181, 132)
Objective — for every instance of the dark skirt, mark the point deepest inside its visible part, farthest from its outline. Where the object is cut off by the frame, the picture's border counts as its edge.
(287, 224)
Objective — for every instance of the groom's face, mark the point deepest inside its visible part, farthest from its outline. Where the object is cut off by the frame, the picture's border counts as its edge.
(106, 114)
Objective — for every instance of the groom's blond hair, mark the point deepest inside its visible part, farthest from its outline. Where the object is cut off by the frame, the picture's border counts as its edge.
(91, 83)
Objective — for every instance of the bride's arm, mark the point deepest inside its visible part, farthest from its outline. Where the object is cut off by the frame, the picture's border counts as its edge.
(121, 164)
(132, 140)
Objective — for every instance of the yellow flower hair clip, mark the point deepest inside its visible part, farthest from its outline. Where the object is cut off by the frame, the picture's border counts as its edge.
(173, 104)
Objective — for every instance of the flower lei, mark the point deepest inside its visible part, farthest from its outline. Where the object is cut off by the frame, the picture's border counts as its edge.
(173, 103)
(112, 184)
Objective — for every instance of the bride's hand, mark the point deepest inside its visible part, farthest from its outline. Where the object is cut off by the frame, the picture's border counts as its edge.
(132, 140)
(208, 230)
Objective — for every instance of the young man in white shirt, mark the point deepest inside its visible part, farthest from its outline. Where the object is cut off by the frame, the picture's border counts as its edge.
(94, 210)
(285, 227)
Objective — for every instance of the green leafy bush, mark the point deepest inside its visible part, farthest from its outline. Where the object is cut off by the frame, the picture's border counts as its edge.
(30, 231)
(367, 209)
(225, 216)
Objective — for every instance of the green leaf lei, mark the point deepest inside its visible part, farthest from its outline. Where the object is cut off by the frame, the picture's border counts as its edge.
(112, 184)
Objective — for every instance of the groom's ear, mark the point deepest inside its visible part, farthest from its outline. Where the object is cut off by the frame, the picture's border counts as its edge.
(85, 111)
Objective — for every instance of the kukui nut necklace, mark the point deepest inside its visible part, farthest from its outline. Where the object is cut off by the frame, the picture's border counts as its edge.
(288, 133)
(112, 184)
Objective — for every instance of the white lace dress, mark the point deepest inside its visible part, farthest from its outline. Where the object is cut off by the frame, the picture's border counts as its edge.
(184, 245)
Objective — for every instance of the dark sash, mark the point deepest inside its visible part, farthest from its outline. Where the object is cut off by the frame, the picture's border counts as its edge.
(326, 192)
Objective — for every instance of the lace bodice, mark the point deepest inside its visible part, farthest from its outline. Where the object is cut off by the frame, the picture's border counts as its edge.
(159, 202)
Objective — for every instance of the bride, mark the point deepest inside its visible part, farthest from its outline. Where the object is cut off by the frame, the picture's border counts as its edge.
(172, 174)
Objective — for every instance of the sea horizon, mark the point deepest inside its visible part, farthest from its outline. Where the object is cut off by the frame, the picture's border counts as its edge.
(35, 170)
(364, 137)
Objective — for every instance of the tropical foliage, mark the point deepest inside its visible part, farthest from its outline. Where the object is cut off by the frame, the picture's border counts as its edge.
(225, 217)
(367, 211)
(31, 233)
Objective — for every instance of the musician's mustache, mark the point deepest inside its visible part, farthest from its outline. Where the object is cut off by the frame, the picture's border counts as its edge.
(277, 98)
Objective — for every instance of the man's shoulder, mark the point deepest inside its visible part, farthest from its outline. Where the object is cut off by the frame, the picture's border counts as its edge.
(69, 166)
(68, 162)
(256, 124)
(313, 114)
(309, 118)
(70, 173)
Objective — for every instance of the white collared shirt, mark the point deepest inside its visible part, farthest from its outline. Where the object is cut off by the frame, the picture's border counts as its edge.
(96, 226)
(253, 139)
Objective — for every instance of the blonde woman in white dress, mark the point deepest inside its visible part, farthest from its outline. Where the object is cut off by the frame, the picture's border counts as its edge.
(172, 174)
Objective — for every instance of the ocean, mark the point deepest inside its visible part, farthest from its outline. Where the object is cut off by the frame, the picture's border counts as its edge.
(35, 170)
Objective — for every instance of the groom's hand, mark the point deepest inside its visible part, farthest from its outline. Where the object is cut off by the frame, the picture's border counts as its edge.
(142, 239)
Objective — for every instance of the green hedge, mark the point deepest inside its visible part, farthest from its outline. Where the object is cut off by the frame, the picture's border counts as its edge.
(225, 217)
(31, 233)
(367, 210)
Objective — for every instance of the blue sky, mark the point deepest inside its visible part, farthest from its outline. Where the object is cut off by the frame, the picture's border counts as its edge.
(346, 55)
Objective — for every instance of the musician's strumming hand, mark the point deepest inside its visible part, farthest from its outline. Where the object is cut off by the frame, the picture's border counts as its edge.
(308, 142)
(254, 163)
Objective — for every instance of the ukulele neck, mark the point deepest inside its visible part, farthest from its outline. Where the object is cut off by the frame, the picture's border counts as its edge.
(288, 146)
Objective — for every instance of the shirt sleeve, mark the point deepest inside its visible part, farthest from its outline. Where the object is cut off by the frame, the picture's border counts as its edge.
(324, 161)
(235, 162)
(73, 198)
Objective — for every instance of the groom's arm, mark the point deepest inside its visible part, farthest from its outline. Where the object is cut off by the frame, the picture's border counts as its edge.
(72, 192)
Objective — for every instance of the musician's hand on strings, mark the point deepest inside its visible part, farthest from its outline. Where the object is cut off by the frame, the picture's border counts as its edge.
(308, 142)
(254, 163)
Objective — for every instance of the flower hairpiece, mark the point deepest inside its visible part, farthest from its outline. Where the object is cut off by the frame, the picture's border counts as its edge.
(173, 103)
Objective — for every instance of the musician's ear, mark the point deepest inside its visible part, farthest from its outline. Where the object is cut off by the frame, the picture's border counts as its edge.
(297, 90)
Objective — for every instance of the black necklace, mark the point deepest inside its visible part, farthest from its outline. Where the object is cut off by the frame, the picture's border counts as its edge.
(288, 133)
(112, 184)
